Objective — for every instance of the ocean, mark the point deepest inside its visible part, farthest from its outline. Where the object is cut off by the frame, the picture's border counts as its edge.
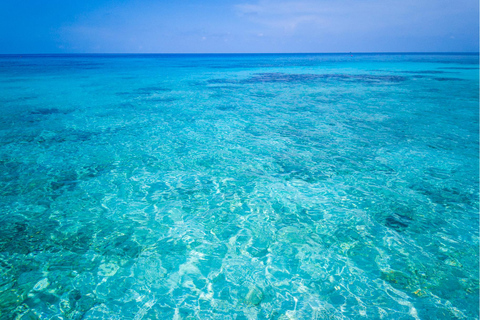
(290, 186)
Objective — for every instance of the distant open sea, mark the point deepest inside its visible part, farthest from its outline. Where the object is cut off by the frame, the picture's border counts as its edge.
(293, 186)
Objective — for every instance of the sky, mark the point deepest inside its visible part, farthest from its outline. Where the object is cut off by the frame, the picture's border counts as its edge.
(238, 26)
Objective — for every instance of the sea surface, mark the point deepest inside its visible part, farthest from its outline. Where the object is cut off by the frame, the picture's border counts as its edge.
(312, 186)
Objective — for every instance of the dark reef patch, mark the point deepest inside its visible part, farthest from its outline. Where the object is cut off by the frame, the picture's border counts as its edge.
(48, 111)
(152, 89)
(227, 87)
(448, 79)
(397, 221)
(426, 72)
(226, 108)
(419, 76)
(124, 93)
(292, 78)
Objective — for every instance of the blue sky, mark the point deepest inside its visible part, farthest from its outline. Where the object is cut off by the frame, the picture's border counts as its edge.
(230, 26)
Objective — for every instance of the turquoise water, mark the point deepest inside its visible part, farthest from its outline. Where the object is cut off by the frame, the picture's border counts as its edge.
(239, 187)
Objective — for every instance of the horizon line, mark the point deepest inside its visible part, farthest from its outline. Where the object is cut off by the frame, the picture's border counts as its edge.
(243, 53)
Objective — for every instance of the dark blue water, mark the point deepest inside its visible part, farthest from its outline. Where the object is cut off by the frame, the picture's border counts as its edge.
(239, 186)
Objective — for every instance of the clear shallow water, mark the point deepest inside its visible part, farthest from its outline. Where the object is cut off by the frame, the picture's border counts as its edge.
(239, 187)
